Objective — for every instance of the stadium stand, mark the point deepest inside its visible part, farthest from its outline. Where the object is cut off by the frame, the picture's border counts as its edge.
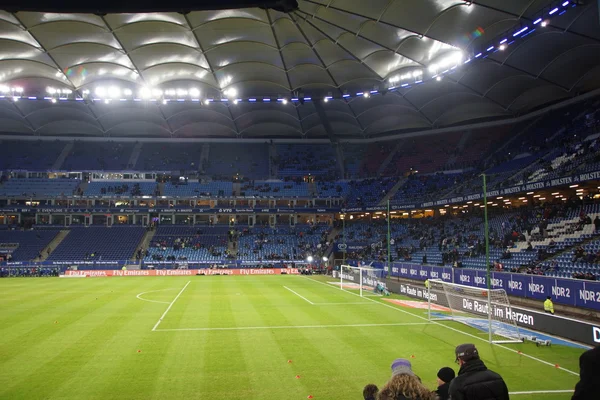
(169, 157)
(196, 189)
(98, 244)
(121, 188)
(275, 189)
(25, 245)
(299, 160)
(249, 160)
(109, 156)
(184, 243)
(29, 155)
(38, 187)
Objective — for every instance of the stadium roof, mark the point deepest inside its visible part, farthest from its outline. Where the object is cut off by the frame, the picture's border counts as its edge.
(325, 48)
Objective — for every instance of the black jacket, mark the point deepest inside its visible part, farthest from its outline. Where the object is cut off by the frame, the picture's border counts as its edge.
(443, 391)
(476, 382)
(588, 387)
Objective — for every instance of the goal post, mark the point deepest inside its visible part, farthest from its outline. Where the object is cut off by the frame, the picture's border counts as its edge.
(482, 309)
(364, 281)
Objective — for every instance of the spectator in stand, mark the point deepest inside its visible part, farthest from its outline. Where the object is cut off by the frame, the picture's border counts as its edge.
(444, 377)
(475, 381)
(597, 223)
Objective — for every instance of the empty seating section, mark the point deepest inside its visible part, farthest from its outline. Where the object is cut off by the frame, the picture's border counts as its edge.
(111, 156)
(375, 155)
(332, 189)
(184, 243)
(424, 186)
(121, 188)
(281, 243)
(480, 144)
(275, 189)
(29, 155)
(169, 157)
(195, 189)
(425, 154)
(37, 187)
(98, 244)
(295, 160)
(368, 191)
(354, 157)
(228, 159)
(26, 245)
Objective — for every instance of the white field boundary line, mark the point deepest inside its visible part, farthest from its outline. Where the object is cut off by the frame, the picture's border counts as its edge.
(452, 329)
(248, 328)
(170, 305)
(364, 303)
(139, 296)
(542, 392)
(299, 295)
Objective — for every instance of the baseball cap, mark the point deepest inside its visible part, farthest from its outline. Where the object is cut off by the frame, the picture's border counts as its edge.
(402, 366)
(446, 374)
(466, 352)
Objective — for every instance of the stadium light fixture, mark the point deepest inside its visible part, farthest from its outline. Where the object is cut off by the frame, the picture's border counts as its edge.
(325, 259)
(53, 100)
(544, 24)
(438, 78)
(127, 92)
(284, 101)
(15, 98)
(106, 101)
(366, 95)
(164, 102)
(194, 92)
(100, 91)
(206, 102)
(502, 47)
(310, 259)
(4, 89)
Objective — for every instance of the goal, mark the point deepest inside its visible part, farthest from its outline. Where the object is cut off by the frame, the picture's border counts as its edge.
(364, 281)
(485, 310)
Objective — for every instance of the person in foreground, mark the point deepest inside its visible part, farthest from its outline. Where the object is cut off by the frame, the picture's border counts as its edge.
(404, 384)
(588, 387)
(444, 377)
(370, 392)
(474, 380)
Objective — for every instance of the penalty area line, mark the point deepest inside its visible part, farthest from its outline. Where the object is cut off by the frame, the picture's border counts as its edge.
(170, 305)
(246, 328)
(452, 329)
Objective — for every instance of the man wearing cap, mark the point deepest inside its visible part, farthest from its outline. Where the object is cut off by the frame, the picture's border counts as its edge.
(444, 377)
(474, 380)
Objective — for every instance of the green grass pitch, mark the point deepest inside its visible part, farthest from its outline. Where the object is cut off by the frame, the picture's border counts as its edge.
(227, 337)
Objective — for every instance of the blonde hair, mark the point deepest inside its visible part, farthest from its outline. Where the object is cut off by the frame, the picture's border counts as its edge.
(405, 385)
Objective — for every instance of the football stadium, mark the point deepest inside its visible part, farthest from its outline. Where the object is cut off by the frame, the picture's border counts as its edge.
(300, 199)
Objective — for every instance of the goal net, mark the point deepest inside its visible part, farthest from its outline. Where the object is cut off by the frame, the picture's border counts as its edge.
(364, 281)
(485, 310)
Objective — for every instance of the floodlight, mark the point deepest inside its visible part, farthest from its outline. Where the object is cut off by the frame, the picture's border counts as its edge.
(309, 259)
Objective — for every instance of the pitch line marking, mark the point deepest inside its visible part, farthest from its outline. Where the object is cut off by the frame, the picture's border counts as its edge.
(449, 327)
(170, 305)
(245, 328)
(299, 295)
(542, 392)
(139, 296)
